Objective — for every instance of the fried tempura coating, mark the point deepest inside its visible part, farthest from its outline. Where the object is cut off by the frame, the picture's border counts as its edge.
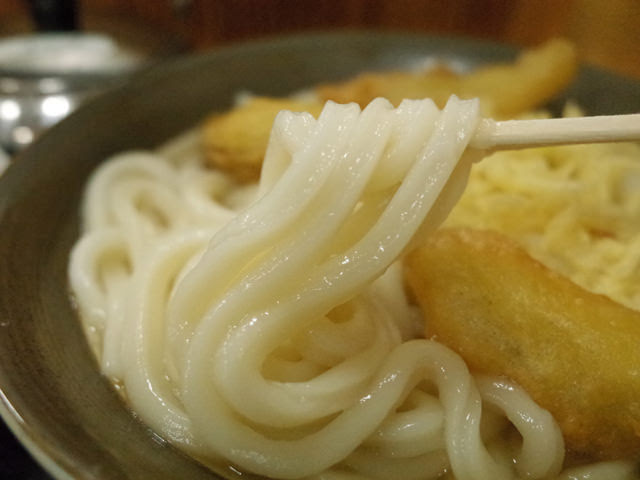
(235, 141)
(437, 84)
(575, 352)
(505, 90)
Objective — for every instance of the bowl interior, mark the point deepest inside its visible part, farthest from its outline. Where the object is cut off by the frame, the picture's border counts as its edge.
(51, 392)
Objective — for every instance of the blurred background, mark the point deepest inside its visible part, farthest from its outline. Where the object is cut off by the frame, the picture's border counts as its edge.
(605, 32)
(41, 82)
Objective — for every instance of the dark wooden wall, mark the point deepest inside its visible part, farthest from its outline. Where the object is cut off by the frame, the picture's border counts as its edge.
(607, 32)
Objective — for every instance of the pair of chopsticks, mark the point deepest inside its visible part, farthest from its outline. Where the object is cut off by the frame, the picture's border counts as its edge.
(511, 134)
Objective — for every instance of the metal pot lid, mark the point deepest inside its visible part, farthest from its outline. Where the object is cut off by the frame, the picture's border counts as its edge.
(44, 76)
(65, 54)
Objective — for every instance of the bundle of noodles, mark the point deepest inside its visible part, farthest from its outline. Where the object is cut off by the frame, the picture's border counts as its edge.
(273, 335)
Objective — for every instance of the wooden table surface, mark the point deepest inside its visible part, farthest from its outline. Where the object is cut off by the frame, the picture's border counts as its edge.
(606, 32)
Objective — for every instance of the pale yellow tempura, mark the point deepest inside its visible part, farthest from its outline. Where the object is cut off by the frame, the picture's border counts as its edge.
(575, 208)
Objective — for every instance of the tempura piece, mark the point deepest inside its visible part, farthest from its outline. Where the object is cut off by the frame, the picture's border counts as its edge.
(505, 90)
(534, 79)
(437, 84)
(235, 141)
(575, 352)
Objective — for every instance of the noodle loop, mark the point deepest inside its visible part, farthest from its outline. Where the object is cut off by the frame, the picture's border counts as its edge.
(276, 335)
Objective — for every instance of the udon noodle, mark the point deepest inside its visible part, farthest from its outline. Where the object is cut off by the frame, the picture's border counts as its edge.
(267, 328)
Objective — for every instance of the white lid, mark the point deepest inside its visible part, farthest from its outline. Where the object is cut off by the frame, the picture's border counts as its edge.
(64, 53)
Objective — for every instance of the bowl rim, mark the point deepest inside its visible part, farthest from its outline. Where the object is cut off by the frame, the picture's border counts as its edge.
(55, 458)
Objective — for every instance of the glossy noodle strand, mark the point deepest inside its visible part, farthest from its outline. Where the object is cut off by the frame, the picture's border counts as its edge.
(267, 327)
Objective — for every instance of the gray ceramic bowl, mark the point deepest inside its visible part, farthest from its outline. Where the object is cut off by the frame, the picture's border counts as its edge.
(51, 392)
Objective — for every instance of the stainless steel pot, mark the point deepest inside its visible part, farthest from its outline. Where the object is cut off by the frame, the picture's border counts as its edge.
(44, 76)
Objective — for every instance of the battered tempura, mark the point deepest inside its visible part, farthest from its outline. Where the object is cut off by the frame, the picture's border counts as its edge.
(575, 352)
(235, 141)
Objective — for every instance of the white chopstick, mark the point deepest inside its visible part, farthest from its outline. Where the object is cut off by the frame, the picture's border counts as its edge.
(509, 134)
